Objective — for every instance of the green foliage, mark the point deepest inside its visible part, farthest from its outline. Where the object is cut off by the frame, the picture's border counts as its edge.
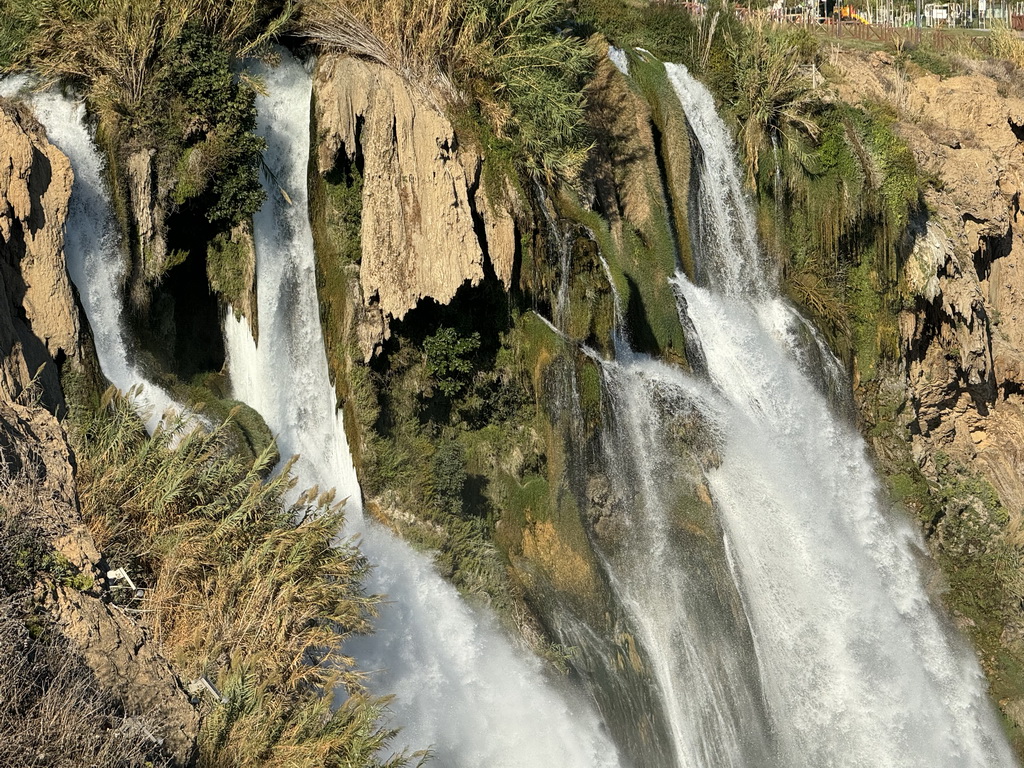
(768, 94)
(226, 260)
(666, 31)
(449, 359)
(449, 476)
(242, 586)
(836, 210)
(26, 558)
(931, 60)
(210, 114)
(900, 187)
(343, 211)
(503, 55)
(17, 22)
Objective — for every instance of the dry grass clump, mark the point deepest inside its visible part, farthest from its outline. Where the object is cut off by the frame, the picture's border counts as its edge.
(507, 58)
(1007, 44)
(252, 591)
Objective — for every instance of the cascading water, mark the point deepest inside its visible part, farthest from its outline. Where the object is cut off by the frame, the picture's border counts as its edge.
(460, 686)
(839, 657)
(786, 625)
(93, 248)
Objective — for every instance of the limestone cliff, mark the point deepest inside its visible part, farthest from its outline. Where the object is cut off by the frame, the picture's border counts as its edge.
(39, 326)
(963, 341)
(427, 228)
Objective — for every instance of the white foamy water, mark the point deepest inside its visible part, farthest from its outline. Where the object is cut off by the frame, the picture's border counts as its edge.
(857, 666)
(730, 231)
(461, 688)
(619, 59)
(96, 258)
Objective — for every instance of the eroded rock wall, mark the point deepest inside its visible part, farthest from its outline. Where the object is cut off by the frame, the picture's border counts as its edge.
(39, 325)
(427, 227)
(963, 339)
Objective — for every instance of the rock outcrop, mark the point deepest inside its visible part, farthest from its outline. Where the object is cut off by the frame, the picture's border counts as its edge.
(427, 227)
(963, 344)
(39, 326)
(40, 491)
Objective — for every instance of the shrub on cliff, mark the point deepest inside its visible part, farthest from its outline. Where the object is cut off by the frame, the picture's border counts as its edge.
(769, 94)
(508, 58)
(254, 591)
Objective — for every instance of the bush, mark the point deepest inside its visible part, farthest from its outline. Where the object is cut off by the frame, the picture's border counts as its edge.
(449, 360)
(252, 591)
(769, 95)
(212, 116)
(449, 477)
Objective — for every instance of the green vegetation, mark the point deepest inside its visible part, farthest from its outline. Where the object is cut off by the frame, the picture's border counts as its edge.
(769, 96)
(226, 259)
(836, 212)
(208, 115)
(501, 59)
(448, 357)
(252, 591)
(983, 559)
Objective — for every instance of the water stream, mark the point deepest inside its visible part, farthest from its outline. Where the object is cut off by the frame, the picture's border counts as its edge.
(461, 687)
(840, 657)
(96, 258)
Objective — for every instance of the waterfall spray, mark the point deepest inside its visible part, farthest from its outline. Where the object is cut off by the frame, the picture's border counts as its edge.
(460, 687)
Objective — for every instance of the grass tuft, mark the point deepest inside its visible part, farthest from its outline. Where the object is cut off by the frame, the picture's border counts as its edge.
(246, 583)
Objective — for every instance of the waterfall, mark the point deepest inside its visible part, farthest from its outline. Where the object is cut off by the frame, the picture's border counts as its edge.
(777, 603)
(730, 233)
(96, 258)
(461, 688)
(845, 660)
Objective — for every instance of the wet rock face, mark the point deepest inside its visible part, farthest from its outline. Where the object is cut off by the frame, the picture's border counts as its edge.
(427, 227)
(963, 342)
(38, 317)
